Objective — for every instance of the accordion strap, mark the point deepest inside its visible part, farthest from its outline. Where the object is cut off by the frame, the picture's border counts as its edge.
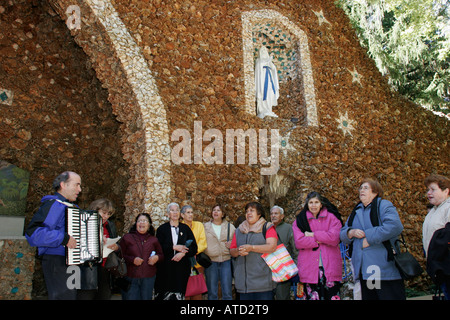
(68, 204)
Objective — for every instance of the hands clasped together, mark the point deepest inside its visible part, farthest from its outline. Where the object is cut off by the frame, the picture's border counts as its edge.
(360, 234)
(182, 250)
(151, 260)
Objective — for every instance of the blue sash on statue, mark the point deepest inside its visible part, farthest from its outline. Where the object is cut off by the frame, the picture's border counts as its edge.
(266, 82)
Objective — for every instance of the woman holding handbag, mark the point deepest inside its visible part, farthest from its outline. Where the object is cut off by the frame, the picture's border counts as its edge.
(372, 224)
(219, 233)
(187, 213)
(316, 236)
(253, 277)
(141, 251)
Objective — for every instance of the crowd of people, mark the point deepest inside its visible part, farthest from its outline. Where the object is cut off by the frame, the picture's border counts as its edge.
(162, 263)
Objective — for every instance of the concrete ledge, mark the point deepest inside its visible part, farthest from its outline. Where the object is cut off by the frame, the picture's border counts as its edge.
(11, 225)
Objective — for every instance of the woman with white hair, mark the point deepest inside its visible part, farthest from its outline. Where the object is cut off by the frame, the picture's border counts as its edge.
(178, 245)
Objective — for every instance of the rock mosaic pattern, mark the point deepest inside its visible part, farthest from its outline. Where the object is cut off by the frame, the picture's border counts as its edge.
(16, 270)
(163, 65)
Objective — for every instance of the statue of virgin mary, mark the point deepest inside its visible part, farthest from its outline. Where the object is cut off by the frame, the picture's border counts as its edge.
(266, 81)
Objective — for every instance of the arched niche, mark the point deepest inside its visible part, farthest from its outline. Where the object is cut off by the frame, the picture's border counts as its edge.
(288, 45)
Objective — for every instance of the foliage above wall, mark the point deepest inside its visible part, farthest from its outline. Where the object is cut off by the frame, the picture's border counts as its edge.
(410, 43)
(13, 189)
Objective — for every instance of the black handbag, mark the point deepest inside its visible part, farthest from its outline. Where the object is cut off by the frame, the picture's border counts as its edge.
(116, 265)
(203, 259)
(408, 266)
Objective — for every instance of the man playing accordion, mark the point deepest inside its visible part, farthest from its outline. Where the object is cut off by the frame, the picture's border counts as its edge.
(47, 231)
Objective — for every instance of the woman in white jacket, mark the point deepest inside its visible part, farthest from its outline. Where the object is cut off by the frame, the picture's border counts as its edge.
(438, 196)
(219, 233)
(438, 217)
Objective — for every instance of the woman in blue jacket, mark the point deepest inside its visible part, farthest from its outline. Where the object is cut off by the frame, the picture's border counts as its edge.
(373, 222)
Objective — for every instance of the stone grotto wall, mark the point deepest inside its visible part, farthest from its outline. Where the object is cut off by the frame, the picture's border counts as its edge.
(55, 117)
(340, 123)
(16, 270)
(133, 93)
(148, 68)
(196, 52)
(59, 117)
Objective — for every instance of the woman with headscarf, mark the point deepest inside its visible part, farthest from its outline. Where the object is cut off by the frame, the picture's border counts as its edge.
(316, 236)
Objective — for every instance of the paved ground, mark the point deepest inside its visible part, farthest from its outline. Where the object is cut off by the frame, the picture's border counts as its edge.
(430, 297)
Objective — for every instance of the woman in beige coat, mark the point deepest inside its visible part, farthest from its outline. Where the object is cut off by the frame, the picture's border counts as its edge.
(219, 233)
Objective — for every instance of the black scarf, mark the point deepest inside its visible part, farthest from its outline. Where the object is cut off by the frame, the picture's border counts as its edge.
(374, 220)
(302, 220)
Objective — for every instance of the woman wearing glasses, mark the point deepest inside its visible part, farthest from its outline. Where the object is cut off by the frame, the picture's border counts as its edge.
(141, 251)
(373, 222)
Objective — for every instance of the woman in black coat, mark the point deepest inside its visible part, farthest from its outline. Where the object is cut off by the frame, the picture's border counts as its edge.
(96, 281)
(179, 247)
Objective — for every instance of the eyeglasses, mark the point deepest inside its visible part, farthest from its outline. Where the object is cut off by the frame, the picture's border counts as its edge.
(142, 221)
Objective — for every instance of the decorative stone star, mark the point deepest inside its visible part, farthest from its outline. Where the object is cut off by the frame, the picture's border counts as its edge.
(346, 124)
(356, 77)
(321, 17)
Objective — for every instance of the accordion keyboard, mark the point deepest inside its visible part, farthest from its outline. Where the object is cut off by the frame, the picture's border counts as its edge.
(85, 226)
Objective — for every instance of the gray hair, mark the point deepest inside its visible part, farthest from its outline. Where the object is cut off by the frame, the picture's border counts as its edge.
(183, 210)
(172, 204)
(279, 208)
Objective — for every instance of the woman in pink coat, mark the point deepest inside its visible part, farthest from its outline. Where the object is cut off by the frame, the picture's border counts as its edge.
(316, 235)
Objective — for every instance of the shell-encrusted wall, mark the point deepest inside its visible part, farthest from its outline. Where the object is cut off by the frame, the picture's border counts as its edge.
(55, 115)
(189, 65)
(132, 90)
(200, 56)
(16, 270)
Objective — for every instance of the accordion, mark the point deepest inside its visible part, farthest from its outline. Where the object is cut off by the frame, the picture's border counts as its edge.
(86, 227)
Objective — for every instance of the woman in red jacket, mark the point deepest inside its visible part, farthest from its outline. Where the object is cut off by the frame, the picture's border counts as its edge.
(141, 251)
